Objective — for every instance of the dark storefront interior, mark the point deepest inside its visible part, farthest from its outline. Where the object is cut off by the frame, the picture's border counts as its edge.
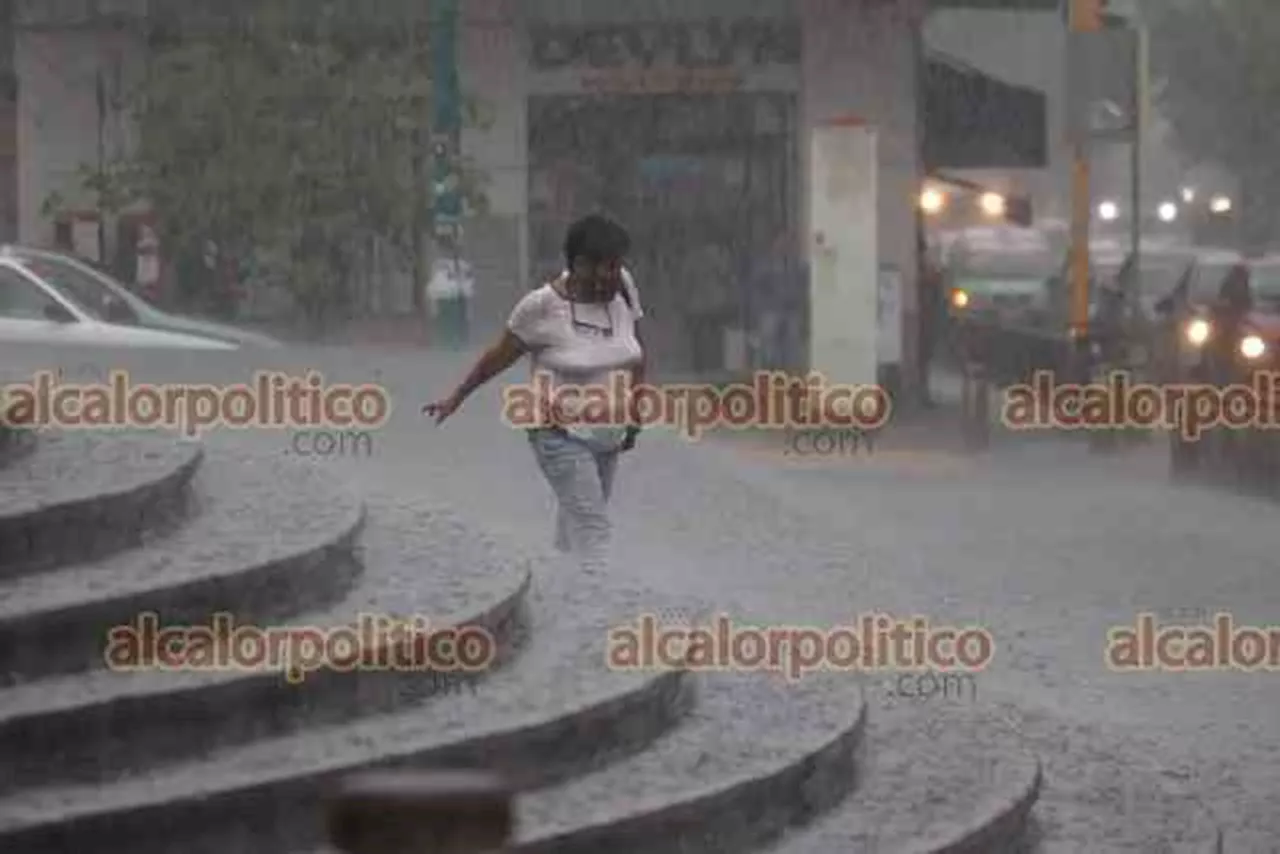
(707, 186)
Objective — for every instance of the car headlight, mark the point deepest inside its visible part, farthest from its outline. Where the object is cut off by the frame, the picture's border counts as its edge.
(959, 299)
(1198, 331)
(1252, 347)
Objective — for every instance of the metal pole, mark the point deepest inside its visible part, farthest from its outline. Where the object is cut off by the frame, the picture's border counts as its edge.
(1086, 16)
(446, 127)
(1139, 135)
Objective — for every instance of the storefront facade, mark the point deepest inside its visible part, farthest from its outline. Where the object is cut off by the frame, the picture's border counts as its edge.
(690, 120)
(690, 123)
(685, 131)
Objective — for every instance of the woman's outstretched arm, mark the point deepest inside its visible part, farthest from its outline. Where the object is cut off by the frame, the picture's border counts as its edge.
(503, 354)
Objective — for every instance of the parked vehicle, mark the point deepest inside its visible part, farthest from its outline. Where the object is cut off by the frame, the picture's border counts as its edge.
(997, 274)
(50, 297)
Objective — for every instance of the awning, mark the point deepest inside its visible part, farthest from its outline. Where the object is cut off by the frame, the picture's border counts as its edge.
(972, 121)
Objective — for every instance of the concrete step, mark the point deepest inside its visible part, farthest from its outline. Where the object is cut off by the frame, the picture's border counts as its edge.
(556, 711)
(756, 755)
(938, 780)
(103, 724)
(80, 496)
(15, 444)
(264, 540)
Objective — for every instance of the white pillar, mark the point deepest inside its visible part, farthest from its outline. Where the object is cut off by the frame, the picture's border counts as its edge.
(843, 251)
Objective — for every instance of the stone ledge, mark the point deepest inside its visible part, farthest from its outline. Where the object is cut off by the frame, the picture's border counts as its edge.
(262, 542)
(102, 724)
(938, 781)
(528, 720)
(110, 489)
(756, 755)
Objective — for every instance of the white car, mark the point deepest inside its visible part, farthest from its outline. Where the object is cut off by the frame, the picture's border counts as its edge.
(51, 298)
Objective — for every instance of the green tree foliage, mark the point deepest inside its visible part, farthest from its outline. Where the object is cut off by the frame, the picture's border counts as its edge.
(1219, 69)
(290, 133)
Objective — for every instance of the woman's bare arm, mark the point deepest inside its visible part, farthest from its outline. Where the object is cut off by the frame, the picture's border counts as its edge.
(503, 354)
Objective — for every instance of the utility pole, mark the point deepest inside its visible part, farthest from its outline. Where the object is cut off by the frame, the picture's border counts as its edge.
(1085, 17)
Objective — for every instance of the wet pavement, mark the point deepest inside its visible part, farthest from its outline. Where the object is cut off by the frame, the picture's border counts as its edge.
(1042, 542)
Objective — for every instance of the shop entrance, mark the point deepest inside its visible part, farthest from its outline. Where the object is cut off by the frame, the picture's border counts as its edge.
(707, 187)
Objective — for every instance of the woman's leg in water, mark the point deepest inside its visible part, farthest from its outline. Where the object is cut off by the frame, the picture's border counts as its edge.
(581, 481)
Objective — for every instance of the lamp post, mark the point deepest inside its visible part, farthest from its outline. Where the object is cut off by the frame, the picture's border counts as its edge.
(446, 128)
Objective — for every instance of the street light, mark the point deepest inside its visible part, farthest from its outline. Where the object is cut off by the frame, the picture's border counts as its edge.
(932, 201)
(1220, 204)
(1188, 194)
(993, 205)
(1108, 211)
(1167, 212)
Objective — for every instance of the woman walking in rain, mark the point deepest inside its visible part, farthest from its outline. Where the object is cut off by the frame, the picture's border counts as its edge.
(578, 329)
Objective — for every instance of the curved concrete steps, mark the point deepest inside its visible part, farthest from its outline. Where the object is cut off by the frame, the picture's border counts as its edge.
(104, 723)
(756, 755)
(265, 540)
(939, 780)
(555, 711)
(632, 762)
(81, 496)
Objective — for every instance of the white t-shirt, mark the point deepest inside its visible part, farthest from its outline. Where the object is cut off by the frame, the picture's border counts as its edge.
(582, 354)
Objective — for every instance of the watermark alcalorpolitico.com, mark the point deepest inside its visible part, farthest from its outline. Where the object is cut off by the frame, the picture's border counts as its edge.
(331, 444)
(273, 400)
(1121, 401)
(873, 642)
(930, 687)
(773, 399)
(825, 442)
(1149, 645)
(373, 642)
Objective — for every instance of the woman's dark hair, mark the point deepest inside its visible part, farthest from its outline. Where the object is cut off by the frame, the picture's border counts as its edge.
(596, 238)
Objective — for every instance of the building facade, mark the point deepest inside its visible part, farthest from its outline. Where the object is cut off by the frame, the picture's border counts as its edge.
(687, 119)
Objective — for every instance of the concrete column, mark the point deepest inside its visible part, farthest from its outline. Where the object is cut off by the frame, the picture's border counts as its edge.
(860, 59)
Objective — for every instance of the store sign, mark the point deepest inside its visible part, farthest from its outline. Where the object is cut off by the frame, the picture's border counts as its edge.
(664, 57)
(702, 44)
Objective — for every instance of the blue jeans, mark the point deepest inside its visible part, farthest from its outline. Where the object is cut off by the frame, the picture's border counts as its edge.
(582, 479)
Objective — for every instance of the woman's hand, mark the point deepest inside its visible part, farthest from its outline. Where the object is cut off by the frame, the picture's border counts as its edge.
(442, 409)
(495, 360)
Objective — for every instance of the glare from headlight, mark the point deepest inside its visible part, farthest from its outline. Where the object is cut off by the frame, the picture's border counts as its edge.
(1198, 332)
(959, 299)
(932, 201)
(1252, 347)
